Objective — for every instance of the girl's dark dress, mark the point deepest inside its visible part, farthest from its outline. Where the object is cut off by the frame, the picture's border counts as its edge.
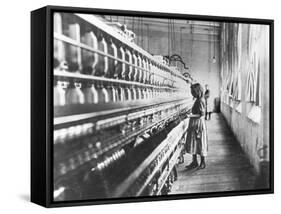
(196, 141)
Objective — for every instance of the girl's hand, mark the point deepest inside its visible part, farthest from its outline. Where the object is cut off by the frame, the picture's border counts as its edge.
(194, 115)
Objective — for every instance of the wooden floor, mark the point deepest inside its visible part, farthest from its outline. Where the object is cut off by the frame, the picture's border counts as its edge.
(227, 166)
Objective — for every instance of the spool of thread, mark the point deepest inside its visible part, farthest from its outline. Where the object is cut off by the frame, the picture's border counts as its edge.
(74, 95)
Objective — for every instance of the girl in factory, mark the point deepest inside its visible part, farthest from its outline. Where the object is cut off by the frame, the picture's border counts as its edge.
(196, 141)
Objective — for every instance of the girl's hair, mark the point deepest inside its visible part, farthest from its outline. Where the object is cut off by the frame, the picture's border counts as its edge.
(197, 90)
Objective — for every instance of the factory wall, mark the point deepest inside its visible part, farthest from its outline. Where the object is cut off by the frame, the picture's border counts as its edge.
(197, 51)
(245, 89)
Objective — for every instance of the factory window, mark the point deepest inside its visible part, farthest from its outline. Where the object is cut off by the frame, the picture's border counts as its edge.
(233, 86)
(238, 49)
(253, 90)
(253, 82)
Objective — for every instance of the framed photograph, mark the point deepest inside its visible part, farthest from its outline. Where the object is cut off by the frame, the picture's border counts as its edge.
(132, 106)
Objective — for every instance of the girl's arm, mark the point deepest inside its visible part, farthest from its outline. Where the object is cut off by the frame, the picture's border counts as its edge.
(201, 108)
(194, 115)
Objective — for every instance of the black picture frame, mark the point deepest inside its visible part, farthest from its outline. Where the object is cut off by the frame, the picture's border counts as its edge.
(42, 104)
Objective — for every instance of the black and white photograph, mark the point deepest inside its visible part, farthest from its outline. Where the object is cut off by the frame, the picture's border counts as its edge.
(149, 106)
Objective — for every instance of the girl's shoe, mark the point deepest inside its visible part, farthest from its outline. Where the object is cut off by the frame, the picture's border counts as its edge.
(193, 165)
(202, 165)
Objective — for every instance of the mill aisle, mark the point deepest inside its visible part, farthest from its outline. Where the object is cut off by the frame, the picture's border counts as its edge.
(228, 168)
